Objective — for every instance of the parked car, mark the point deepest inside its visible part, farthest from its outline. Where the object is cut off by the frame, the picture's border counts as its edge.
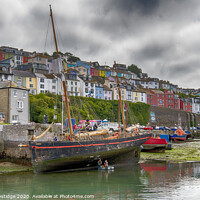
(148, 128)
(174, 128)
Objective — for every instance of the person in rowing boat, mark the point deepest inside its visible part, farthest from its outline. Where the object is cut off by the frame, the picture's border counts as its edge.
(99, 162)
(106, 164)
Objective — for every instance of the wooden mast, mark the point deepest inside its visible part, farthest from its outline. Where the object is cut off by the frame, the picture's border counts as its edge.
(54, 33)
(63, 82)
(120, 100)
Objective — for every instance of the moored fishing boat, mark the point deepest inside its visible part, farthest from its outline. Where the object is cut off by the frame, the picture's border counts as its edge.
(179, 135)
(155, 145)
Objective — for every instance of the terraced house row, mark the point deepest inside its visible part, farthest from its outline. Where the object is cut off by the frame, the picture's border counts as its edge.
(40, 74)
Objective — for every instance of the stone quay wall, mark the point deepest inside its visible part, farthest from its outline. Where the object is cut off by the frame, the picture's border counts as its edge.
(13, 135)
(171, 117)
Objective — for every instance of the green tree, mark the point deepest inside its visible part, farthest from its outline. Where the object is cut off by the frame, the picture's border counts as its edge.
(135, 69)
(73, 58)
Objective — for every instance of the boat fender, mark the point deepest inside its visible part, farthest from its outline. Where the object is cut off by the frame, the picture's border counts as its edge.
(22, 145)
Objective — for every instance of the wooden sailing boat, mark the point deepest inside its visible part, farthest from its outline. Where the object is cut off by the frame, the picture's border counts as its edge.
(84, 154)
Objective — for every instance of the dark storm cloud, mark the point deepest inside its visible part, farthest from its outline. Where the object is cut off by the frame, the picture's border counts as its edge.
(155, 50)
(161, 37)
(142, 7)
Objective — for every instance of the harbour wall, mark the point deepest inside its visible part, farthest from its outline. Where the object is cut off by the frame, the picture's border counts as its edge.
(171, 117)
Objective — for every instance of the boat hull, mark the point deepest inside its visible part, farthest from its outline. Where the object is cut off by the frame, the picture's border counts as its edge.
(155, 145)
(176, 137)
(58, 156)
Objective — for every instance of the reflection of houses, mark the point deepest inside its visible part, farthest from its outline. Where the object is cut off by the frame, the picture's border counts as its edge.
(14, 103)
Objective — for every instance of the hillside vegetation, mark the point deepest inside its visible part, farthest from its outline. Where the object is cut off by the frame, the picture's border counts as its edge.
(84, 108)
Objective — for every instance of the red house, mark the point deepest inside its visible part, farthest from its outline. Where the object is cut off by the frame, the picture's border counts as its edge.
(186, 105)
(156, 98)
(169, 99)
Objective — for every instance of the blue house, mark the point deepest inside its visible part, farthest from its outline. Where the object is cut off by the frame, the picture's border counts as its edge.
(99, 92)
(108, 73)
(84, 64)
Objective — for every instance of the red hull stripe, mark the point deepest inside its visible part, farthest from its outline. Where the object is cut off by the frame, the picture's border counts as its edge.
(86, 145)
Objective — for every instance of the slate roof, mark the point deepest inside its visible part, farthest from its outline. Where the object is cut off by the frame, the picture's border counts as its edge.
(22, 73)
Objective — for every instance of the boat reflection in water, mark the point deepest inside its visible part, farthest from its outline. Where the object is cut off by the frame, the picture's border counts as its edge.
(176, 181)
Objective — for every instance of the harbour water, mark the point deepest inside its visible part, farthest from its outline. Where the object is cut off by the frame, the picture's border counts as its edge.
(150, 180)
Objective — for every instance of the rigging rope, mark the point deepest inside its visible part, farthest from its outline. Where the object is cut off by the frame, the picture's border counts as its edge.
(46, 35)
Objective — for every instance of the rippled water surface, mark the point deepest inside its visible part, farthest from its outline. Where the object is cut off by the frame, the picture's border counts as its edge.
(150, 180)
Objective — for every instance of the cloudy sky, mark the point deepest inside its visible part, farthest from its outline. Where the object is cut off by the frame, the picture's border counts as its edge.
(162, 37)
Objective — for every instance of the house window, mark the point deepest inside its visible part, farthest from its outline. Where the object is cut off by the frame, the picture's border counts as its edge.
(75, 83)
(15, 93)
(15, 118)
(24, 94)
(20, 104)
(71, 82)
(92, 84)
(100, 91)
(75, 89)
(42, 86)
(105, 92)
(54, 81)
(42, 80)
(86, 90)
(71, 89)
(86, 84)
(53, 87)
(30, 79)
(31, 85)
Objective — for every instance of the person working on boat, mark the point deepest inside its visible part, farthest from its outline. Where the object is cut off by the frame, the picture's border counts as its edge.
(95, 127)
(74, 128)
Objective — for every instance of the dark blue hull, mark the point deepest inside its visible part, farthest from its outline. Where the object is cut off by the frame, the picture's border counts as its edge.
(58, 156)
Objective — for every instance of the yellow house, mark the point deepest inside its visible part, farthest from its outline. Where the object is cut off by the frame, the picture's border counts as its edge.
(136, 96)
(102, 73)
(31, 84)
